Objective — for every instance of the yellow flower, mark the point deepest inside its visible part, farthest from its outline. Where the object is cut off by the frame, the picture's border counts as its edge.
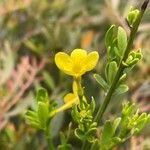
(70, 99)
(78, 63)
(72, 96)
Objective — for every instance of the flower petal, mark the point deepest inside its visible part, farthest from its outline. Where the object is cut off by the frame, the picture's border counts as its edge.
(78, 56)
(64, 62)
(91, 60)
(69, 97)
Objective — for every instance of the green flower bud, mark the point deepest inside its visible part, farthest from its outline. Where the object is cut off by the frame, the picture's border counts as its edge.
(133, 58)
(132, 16)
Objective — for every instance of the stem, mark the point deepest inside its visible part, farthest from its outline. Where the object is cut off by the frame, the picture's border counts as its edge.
(92, 146)
(79, 88)
(49, 139)
(121, 66)
(83, 145)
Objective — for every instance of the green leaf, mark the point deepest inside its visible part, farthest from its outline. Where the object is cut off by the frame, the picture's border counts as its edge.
(122, 78)
(80, 134)
(109, 37)
(117, 52)
(114, 142)
(43, 114)
(63, 138)
(128, 109)
(32, 119)
(133, 62)
(112, 69)
(29, 119)
(75, 114)
(107, 132)
(90, 139)
(111, 43)
(111, 53)
(132, 16)
(121, 89)
(92, 104)
(122, 40)
(141, 125)
(42, 95)
(142, 116)
(31, 114)
(91, 131)
(101, 81)
(141, 121)
(116, 124)
(94, 124)
(35, 124)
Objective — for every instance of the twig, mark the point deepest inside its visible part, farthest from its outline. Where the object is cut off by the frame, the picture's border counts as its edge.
(121, 66)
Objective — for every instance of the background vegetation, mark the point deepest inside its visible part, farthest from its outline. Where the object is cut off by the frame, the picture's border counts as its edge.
(31, 33)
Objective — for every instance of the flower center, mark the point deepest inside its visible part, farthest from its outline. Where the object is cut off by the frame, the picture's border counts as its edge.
(77, 68)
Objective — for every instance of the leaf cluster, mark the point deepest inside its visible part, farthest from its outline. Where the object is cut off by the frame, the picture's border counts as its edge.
(83, 115)
(122, 128)
(41, 117)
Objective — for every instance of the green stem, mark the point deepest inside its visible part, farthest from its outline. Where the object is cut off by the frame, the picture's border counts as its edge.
(49, 139)
(92, 146)
(121, 66)
(83, 145)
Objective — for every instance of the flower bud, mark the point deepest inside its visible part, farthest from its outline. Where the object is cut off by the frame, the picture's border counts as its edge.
(132, 16)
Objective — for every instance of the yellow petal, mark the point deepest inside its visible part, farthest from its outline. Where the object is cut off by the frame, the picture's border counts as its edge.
(91, 60)
(69, 100)
(81, 72)
(64, 62)
(78, 56)
(69, 97)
